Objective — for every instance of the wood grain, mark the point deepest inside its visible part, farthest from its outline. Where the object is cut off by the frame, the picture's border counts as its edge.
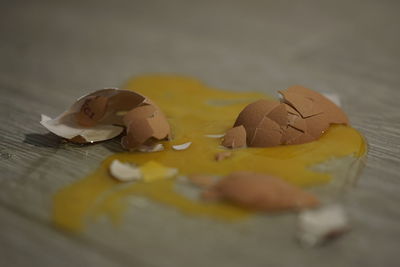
(54, 51)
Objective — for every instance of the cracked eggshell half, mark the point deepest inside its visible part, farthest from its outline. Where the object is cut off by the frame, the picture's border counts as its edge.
(235, 137)
(263, 122)
(103, 115)
(93, 117)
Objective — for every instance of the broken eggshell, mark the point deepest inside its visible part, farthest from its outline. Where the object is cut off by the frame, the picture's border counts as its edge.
(102, 115)
(124, 172)
(263, 121)
(235, 137)
(145, 125)
(301, 116)
(317, 226)
(260, 192)
(182, 146)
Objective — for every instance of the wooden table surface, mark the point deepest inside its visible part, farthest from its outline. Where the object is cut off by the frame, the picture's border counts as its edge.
(51, 52)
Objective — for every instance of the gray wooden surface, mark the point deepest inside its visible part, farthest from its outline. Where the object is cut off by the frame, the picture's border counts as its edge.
(54, 51)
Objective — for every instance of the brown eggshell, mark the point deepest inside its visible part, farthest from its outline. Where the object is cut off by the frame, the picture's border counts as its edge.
(301, 139)
(92, 111)
(317, 125)
(160, 125)
(144, 124)
(262, 121)
(334, 114)
(267, 134)
(290, 134)
(137, 133)
(302, 104)
(126, 100)
(260, 192)
(296, 121)
(279, 115)
(235, 137)
(139, 113)
(253, 113)
(223, 155)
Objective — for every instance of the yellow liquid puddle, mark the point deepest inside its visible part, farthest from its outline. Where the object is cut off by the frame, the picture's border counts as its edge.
(194, 111)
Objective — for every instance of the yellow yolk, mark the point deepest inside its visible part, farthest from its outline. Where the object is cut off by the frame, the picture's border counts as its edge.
(195, 111)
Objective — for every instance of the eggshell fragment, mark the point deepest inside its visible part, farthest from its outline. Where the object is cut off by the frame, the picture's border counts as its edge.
(105, 113)
(92, 110)
(145, 125)
(223, 155)
(302, 116)
(263, 121)
(182, 146)
(124, 172)
(260, 192)
(214, 135)
(67, 128)
(268, 133)
(253, 113)
(235, 137)
(319, 225)
(321, 104)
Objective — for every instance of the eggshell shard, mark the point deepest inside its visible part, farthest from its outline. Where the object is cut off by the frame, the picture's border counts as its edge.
(320, 104)
(317, 226)
(235, 137)
(268, 133)
(67, 128)
(262, 121)
(105, 113)
(145, 125)
(302, 116)
(215, 135)
(182, 146)
(223, 155)
(253, 113)
(260, 192)
(92, 110)
(124, 172)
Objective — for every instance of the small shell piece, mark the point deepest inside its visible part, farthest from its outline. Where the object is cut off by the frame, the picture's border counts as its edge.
(215, 135)
(182, 146)
(105, 113)
(124, 172)
(235, 137)
(223, 155)
(260, 192)
(319, 225)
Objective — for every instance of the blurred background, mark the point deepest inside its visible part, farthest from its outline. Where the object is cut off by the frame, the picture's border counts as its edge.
(54, 51)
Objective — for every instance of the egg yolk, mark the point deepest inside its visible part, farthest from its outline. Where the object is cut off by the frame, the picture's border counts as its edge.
(196, 111)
